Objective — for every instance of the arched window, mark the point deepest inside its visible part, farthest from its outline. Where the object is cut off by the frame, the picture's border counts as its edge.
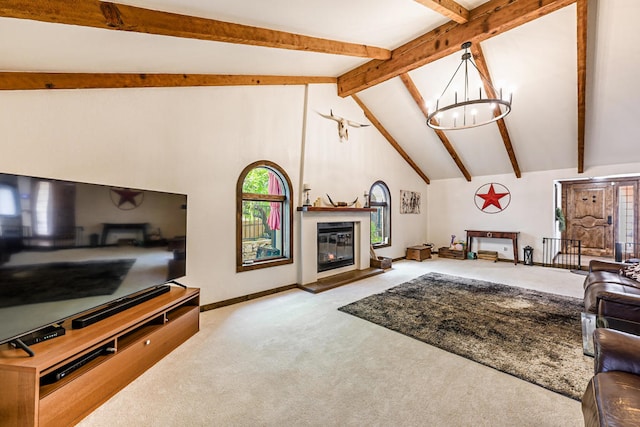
(264, 217)
(380, 200)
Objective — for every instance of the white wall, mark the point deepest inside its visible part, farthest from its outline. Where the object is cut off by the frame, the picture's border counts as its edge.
(531, 212)
(197, 141)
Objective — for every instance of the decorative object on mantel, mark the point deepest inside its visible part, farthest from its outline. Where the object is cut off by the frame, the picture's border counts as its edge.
(317, 203)
(492, 198)
(409, 202)
(366, 199)
(306, 188)
(466, 111)
(341, 204)
(343, 132)
(333, 209)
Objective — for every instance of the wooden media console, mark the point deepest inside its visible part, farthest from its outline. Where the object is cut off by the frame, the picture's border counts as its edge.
(127, 344)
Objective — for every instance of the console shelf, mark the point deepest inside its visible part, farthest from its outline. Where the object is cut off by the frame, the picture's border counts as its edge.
(131, 342)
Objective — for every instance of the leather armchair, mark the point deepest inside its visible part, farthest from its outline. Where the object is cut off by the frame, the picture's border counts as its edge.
(612, 397)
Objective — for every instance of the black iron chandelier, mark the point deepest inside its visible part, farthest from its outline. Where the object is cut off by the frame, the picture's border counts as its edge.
(454, 112)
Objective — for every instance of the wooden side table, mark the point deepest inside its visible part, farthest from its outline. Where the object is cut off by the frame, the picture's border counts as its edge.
(419, 253)
(512, 235)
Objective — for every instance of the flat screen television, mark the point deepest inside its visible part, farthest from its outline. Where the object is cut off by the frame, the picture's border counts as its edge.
(70, 247)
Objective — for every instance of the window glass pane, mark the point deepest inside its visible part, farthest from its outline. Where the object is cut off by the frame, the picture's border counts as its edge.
(261, 237)
(625, 215)
(378, 194)
(7, 201)
(43, 200)
(256, 181)
(381, 218)
(377, 226)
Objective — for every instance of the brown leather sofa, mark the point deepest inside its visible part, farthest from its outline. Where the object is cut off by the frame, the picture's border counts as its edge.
(612, 397)
(605, 280)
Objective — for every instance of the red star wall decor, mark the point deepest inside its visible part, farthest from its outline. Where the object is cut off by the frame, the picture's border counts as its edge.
(492, 198)
(126, 199)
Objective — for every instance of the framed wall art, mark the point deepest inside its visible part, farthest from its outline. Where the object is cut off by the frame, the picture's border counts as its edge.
(409, 202)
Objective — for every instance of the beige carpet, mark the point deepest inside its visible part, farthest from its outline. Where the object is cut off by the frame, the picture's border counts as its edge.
(293, 359)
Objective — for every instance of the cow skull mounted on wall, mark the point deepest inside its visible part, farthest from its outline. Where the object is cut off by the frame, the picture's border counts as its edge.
(343, 132)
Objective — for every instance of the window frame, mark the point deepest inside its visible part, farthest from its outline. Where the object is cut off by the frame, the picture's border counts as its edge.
(287, 216)
(386, 206)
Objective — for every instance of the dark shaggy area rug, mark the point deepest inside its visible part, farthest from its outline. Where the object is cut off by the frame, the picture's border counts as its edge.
(57, 281)
(532, 335)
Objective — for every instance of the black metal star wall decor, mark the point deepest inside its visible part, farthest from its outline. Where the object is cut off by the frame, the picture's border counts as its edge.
(126, 199)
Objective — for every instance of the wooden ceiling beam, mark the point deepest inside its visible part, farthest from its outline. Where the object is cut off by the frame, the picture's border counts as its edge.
(375, 122)
(113, 16)
(582, 12)
(36, 81)
(448, 8)
(417, 97)
(486, 21)
(481, 63)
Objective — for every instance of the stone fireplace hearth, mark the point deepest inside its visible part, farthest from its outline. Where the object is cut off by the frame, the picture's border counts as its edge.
(308, 249)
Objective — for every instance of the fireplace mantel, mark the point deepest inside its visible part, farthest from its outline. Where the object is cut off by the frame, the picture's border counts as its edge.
(333, 209)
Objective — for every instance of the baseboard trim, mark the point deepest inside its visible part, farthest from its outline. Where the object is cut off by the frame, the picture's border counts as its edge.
(232, 301)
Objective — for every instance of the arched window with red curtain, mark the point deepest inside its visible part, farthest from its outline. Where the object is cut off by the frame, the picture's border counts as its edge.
(264, 217)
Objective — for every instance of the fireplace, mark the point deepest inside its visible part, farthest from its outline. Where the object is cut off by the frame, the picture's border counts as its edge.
(335, 245)
(307, 255)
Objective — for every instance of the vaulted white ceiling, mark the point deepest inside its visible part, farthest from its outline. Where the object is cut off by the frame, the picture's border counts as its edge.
(538, 59)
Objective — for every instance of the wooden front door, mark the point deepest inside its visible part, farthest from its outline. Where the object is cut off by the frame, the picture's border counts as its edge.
(589, 214)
